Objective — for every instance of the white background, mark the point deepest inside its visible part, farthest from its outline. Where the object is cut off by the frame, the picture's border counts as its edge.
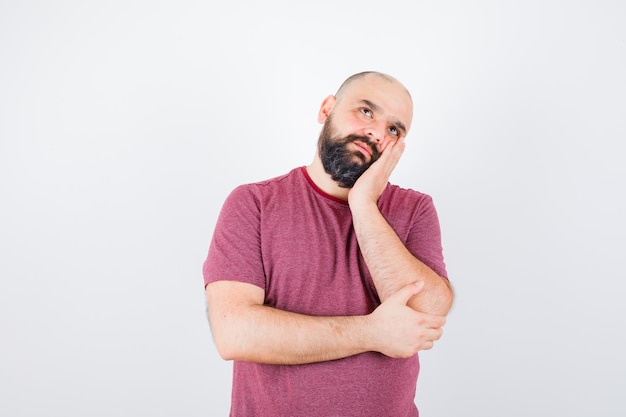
(124, 125)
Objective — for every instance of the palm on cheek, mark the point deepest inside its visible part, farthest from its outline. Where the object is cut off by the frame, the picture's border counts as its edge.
(371, 184)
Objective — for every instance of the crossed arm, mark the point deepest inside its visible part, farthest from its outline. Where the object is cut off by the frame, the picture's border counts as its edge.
(410, 318)
(244, 329)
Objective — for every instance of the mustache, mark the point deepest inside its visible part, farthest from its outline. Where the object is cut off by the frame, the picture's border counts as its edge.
(369, 142)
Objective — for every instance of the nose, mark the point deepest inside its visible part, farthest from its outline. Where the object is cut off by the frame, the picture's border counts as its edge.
(377, 135)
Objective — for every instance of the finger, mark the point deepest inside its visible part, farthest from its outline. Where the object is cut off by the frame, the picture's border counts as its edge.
(405, 293)
(392, 153)
(388, 148)
(398, 149)
(433, 322)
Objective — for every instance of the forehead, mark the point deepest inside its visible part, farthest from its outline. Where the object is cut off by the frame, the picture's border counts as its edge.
(387, 94)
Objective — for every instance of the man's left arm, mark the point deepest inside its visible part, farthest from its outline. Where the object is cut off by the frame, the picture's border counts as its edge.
(390, 263)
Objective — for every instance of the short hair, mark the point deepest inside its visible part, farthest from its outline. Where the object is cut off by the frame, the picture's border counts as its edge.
(360, 75)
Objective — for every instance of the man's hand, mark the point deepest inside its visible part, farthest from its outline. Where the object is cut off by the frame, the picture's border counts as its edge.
(400, 331)
(372, 183)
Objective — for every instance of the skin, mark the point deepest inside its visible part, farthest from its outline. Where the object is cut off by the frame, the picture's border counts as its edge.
(415, 300)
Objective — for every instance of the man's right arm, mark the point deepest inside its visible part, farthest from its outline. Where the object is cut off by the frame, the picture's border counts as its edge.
(245, 329)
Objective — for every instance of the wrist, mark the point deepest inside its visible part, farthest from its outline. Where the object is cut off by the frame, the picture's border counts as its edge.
(369, 334)
(362, 205)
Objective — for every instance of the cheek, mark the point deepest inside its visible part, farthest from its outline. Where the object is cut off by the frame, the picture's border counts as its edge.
(353, 125)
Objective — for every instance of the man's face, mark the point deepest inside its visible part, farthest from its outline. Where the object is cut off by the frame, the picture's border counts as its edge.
(359, 123)
(345, 159)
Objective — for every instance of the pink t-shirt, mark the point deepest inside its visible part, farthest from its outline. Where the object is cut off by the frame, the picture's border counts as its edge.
(288, 237)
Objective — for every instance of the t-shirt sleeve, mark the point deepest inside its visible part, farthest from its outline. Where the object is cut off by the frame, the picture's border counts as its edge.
(235, 249)
(424, 239)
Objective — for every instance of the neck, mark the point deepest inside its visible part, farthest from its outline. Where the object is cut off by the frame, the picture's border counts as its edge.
(324, 181)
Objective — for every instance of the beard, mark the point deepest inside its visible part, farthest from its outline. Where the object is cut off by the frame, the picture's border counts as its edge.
(343, 165)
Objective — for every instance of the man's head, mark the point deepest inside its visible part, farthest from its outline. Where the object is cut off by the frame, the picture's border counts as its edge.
(369, 111)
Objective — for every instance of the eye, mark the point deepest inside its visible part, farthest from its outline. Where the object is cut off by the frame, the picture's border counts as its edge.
(367, 112)
(394, 131)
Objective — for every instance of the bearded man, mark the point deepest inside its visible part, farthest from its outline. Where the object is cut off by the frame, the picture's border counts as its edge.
(323, 284)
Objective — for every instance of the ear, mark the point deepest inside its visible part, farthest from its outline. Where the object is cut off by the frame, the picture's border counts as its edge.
(327, 106)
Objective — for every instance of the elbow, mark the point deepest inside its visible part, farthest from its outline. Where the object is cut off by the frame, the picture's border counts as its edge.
(231, 310)
(437, 299)
(225, 351)
(224, 344)
(230, 341)
(448, 296)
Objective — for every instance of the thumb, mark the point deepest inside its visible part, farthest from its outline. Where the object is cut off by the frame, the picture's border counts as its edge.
(405, 293)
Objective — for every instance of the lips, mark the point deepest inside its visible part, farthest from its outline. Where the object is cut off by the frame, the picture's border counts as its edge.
(363, 148)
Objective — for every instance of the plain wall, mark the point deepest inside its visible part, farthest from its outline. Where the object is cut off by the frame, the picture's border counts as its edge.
(124, 125)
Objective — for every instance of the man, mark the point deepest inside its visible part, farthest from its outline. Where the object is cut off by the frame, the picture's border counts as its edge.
(324, 283)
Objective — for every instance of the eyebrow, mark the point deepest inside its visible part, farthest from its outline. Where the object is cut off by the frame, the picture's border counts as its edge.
(397, 123)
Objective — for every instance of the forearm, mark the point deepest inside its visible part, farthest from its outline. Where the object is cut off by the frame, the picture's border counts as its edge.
(392, 266)
(263, 334)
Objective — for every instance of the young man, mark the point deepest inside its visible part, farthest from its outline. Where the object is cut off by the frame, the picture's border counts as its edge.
(324, 283)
